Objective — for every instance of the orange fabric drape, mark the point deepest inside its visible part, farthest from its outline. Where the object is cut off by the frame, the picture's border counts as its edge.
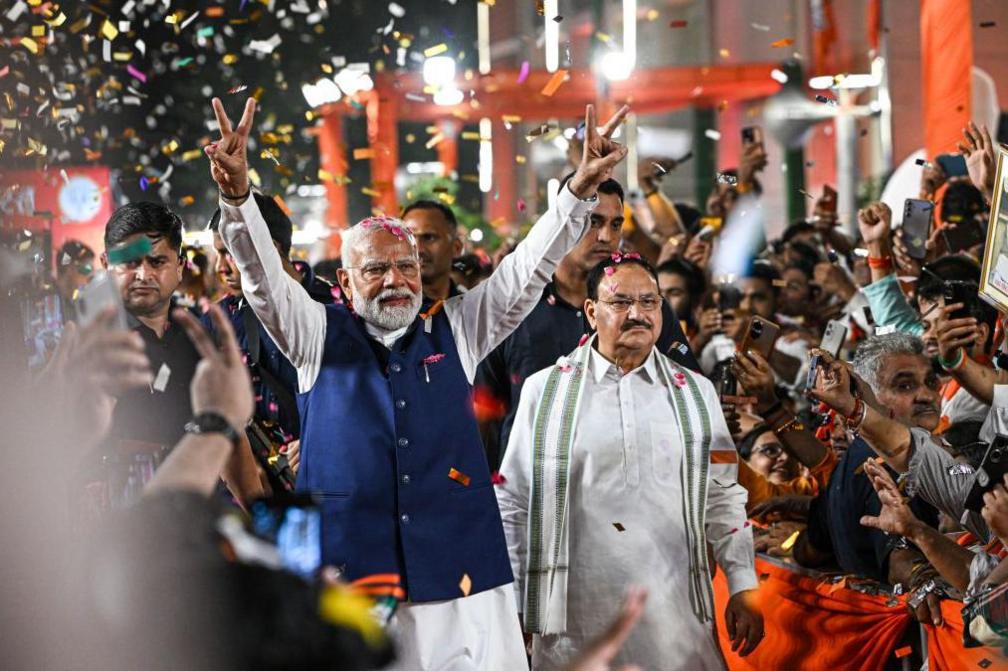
(818, 626)
(946, 65)
(812, 625)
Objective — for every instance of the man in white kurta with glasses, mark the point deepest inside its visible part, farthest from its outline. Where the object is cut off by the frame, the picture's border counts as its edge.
(618, 472)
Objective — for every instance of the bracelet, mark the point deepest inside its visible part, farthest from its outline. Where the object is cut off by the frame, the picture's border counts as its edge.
(953, 365)
(880, 262)
(241, 197)
(854, 420)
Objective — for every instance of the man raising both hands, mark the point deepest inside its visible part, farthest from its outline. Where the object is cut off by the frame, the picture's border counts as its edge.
(389, 440)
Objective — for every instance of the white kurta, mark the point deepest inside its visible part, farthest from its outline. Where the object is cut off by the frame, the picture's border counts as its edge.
(625, 470)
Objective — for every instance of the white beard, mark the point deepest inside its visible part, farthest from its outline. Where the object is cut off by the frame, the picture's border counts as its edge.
(388, 318)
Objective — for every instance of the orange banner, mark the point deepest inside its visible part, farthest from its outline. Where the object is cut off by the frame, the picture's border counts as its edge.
(815, 625)
(946, 70)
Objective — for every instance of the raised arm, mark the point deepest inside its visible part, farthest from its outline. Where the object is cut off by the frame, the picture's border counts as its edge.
(484, 316)
(294, 321)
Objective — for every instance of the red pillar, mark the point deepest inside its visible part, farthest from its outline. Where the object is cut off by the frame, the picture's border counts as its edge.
(501, 202)
(447, 148)
(382, 129)
(332, 160)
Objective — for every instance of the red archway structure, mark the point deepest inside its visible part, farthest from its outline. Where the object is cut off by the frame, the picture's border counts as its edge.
(499, 95)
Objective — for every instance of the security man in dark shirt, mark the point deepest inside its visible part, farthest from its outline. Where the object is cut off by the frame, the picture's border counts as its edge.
(156, 415)
(274, 379)
(556, 325)
(435, 228)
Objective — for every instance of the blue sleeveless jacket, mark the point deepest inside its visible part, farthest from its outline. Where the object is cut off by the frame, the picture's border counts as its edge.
(390, 445)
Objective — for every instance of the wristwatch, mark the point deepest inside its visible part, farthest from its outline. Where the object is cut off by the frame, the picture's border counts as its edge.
(212, 422)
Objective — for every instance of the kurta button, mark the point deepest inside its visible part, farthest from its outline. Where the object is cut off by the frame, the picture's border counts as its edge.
(405, 479)
(404, 442)
(405, 518)
(395, 367)
(401, 403)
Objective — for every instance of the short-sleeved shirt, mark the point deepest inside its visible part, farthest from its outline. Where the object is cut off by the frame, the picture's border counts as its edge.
(551, 330)
(151, 416)
(835, 518)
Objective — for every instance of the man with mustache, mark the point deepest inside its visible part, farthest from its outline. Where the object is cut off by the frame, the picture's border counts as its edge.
(619, 471)
(159, 413)
(388, 438)
(435, 229)
(905, 384)
(558, 321)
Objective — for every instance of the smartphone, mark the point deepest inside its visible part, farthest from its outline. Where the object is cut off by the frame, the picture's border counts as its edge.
(834, 337)
(725, 382)
(990, 473)
(964, 234)
(828, 202)
(101, 293)
(729, 297)
(752, 135)
(760, 336)
(953, 165)
(916, 226)
(812, 372)
(958, 291)
(293, 523)
(42, 325)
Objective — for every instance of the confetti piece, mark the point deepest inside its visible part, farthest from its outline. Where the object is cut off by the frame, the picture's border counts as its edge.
(923, 162)
(523, 72)
(131, 251)
(396, 10)
(136, 74)
(521, 205)
(161, 380)
(760, 26)
(237, 89)
(459, 476)
(712, 134)
(619, 527)
(828, 101)
(787, 41)
(554, 83)
(363, 152)
(779, 76)
(557, 18)
(789, 543)
(434, 141)
(435, 50)
(677, 23)
(465, 584)
(108, 31)
(988, 24)
(498, 478)
(905, 651)
(724, 53)
(30, 44)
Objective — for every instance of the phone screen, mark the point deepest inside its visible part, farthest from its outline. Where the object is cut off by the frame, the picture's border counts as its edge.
(42, 320)
(953, 165)
(294, 525)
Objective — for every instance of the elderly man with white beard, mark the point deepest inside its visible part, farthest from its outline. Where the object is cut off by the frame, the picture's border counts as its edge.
(389, 441)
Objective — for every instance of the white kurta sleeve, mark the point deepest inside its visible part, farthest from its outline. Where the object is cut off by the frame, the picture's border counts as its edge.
(513, 493)
(485, 315)
(725, 525)
(294, 321)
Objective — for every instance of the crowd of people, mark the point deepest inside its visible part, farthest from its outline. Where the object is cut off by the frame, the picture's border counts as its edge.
(537, 457)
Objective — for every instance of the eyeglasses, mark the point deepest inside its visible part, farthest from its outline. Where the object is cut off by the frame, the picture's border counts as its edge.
(372, 272)
(647, 303)
(770, 450)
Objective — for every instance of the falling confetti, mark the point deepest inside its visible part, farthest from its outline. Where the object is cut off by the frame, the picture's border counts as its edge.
(465, 584)
(828, 101)
(554, 83)
(619, 527)
(677, 23)
(459, 477)
(712, 134)
(523, 72)
(435, 50)
(786, 42)
(988, 24)
(521, 205)
(161, 380)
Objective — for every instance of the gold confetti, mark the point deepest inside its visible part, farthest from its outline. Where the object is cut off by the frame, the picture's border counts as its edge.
(230, 59)
(38, 31)
(186, 200)
(30, 44)
(435, 50)
(434, 141)
(370, 192)
(724, 53)
(109, 31)
(520, 160)
(465, 584)
(192, 154)
(789, 543)
(787, 41)
(363, 152)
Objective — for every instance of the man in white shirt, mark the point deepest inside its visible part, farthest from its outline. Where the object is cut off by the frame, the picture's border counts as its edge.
(389, 442)
(620, 470)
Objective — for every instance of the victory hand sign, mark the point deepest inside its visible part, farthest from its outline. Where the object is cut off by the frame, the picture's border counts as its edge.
(600, 154)
(228, 160)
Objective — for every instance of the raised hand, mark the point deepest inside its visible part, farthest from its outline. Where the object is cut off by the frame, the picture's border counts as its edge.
(954, 334)
(981, 158)
(754, 159)
(221, 383)
(600, 652)
(895, 517)
(756, 377)
(995, 510)
(874, 223)
(832, 387)
(600, 154)
(228, 159)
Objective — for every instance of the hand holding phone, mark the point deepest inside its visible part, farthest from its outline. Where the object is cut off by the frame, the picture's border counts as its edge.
(760, 336)
(99, 295)
(917, 226)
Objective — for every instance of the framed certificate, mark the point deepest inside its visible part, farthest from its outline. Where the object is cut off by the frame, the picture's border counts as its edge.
(994, 274)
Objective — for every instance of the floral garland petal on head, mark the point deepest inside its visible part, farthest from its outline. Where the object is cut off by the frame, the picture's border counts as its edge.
(390, 224)
(618, 257)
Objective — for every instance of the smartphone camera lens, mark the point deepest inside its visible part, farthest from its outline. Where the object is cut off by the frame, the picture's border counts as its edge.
(756, 329)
